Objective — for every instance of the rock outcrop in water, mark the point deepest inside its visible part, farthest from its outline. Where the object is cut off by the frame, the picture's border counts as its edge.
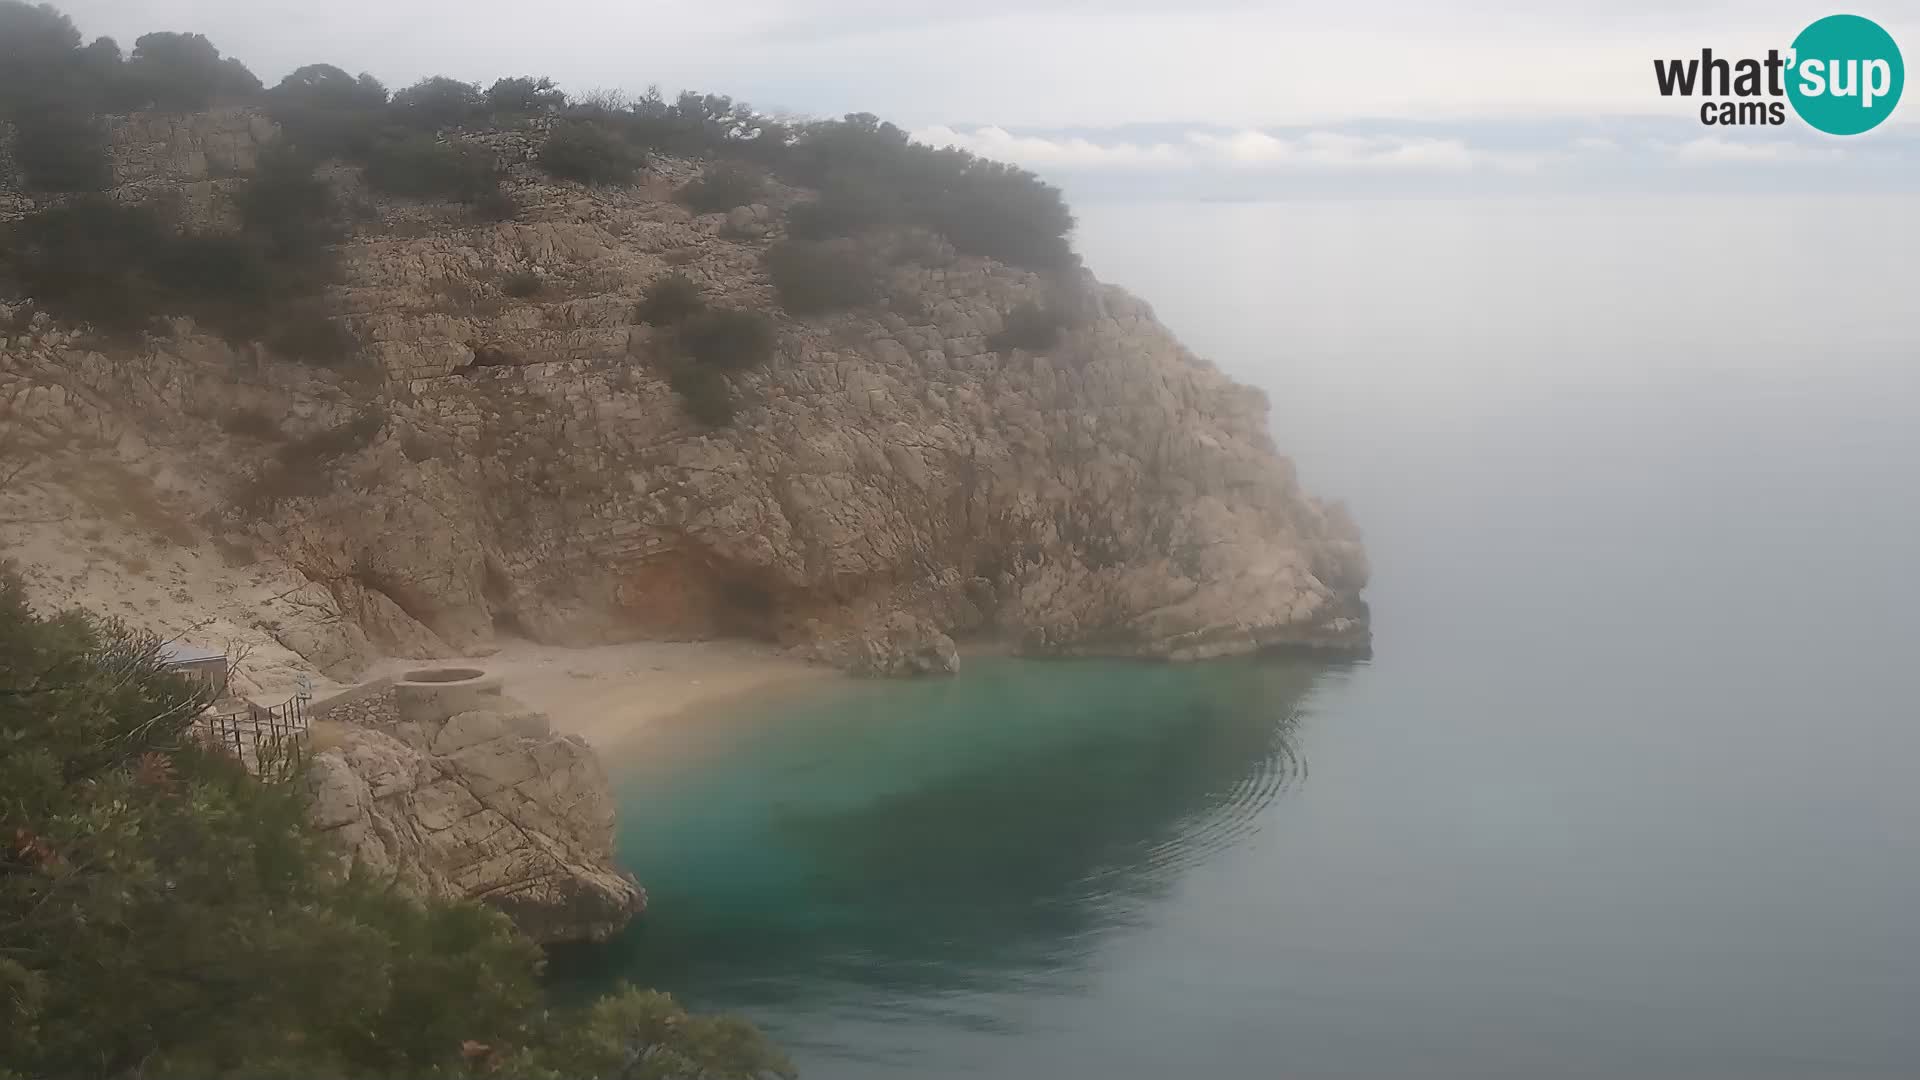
(456, 790)
(519, 463)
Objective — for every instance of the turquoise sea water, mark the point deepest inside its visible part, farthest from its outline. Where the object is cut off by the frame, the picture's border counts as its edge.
(1626, 791)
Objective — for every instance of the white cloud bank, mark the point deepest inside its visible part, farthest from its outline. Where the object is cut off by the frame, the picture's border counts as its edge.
(1245, 149)
(1718, 150)
(1040, 152)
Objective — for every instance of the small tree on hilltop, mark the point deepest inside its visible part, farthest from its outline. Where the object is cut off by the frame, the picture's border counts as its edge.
(439, 102)
(32, 34)
(324, 112)
(185, 73)
(525, 96)
(330, 87)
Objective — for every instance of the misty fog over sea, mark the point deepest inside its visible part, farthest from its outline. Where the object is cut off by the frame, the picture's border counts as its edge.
(1626, 790)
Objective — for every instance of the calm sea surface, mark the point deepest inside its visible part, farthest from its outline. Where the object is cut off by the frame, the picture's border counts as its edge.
(1630, 789)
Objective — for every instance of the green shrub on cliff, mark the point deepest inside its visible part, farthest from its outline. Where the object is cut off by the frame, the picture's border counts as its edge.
(590, 153)
(668, 300)
(870, 173)
(91, 261)
(697, 125)
(293, 212)
(713, 343)
(723, 186)
(61, 148)
(121, 266)
(165, 913)
(728, 339)
(423, 167)
(705, 394)
(815, 278)
(1031, 326)
(308, 334)
(845, 205)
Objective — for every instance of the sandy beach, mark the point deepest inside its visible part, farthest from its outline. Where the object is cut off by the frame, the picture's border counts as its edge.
(607, 692)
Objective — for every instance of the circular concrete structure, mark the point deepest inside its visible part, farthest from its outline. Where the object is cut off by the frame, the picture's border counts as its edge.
(431, 695)
(443, 675)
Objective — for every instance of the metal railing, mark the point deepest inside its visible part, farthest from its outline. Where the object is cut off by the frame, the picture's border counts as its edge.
(270, 741)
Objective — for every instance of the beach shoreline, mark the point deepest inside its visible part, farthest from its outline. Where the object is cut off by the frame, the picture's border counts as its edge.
(609, 693)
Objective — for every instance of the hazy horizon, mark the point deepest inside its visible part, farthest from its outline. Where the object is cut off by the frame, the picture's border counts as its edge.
(1221, 100)
(1620, 792)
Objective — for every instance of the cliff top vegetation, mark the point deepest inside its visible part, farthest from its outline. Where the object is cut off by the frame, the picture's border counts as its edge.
(71, 256)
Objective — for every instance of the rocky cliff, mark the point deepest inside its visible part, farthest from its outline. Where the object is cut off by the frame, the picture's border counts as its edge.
(461, 792)
(514, 461)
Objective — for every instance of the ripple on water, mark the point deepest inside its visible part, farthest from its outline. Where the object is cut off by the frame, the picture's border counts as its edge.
(1237, 815)
(929, 852)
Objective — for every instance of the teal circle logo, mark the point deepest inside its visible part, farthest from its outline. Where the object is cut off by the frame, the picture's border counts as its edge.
(1846, 75)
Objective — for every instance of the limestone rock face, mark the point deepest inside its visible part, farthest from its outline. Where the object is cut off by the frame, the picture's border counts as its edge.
(902, 644)
(181, 148)
(895, 478)
(486, 804)
(388, 628)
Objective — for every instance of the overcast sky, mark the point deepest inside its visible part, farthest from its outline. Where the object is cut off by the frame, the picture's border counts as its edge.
(1118, 94)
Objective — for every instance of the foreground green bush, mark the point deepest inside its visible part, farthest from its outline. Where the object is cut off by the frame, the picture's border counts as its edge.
(163, 913)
